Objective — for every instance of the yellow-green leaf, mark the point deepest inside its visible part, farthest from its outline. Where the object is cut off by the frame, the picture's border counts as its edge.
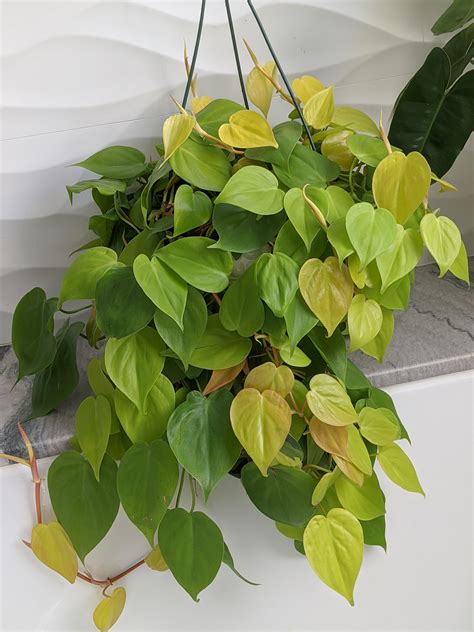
(323, 485)
(176, 130)
(365, 502)
(370, 231)
(327, 289)
(379, 425)
(155, 560)
(247, 129)
(354, 119)
(109, 610)
(332, 439)
(349, 470)
(93, 424)
(267, 376)
(398, 467)
(460, 266)
(319, 109)
(334, 547)
(335, 148)
(52, 546)
(401, 183)
(357, 271)
(357, 451)
(259, 88)
(401, 257)
(442, 238)
(377, 347)
(306, 86)
(261, 422)
(329, 401)
(364, 321)
(199, 103)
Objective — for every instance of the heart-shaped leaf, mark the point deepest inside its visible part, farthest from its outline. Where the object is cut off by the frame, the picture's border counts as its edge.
(219, 348)
(261, 422)
(306, 166)
(52, 546)
(319, 109)
(241, 309)
(193, 547)
(370, 231)
(299, 320)
(287, 135)
(176, 130)
(200, 434)
(357, 451)
(334, 545)
(93, 422)
(242, 231)
(402, 256)
(247, 129)
(339, 239)
(277, 279)
(201, 165)
(216, 114)
(146, 482)
(254, 189)
(327, 290)
(442, 238)
(82, 275)
(306, 86)
(368, 150)
(329, 401)
(191, 209)
(398, 467)
(268, 376)
(379, 425)
(364, 321)
(354, 119)
(365, 502)
(378, 346)
(401, 183)
(259, 88)
(109, 610)
(85, 507)
(301, 216)
(156, 561)
(332, 439)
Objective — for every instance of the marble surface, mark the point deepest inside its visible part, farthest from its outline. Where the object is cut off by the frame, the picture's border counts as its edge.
(435, 336)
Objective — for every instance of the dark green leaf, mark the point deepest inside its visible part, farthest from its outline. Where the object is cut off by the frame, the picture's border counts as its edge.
(374, 532)
(290, 243)
(105, 186)
(241, 309)
(333, 350)
(142, 244)
(191, 209)
(116, 162)
(93, 422)
(299, 320)
(228, 560)
(460, 51)
(242, 231)
(277, 279)
(460, 12)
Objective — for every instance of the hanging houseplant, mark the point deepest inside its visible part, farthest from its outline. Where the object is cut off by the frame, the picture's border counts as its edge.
(225, 278)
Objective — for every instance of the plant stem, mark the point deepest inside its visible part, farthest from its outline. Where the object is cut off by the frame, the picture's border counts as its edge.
(180, 488)
(75, 311)
(193, 493)
(34, 473)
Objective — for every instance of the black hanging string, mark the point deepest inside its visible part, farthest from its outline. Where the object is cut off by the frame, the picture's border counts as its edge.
(195, 54)
(236, 53)
(283, 76)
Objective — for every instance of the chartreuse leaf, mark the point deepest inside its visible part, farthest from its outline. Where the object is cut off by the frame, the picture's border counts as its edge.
(52, 546)
(327, 289)
(32, 338)
(116, 162)
(162, 285)
(334, 545)
(319, 108)
(58, 380)
(156, 561)
(203, 166)
(219, 348)
(333, 202)
(401, 257)
(82, 275)
(366, 149)
(335, 148)
(284, 495)
(242, 231)
(442, 238)
(261, 422)
(192, 259)
(268, 376)
(287, 135)
(122, 306)
(191, 209)
(357, 451)
(176, 130)
(370, 231)
(299, 320)
(293, 357)
(401, 183)
(247, 129)
(109, 610)
(259, 88)
(254, 189)
(193, 547)
(184, 342)
(146, 482)
(300, 215)
(350, 470)
(364, 321)
(241, 309)
(306, 86)
(201, 437)
(329, 401)
(379, 425)
(460, 266)
(323, 485)
(398, 467)
(365, 502)
(93, 422)
(354, 119)
(277, 279)
(150, 425)
(134, 364)
(86, 507)
(377, 347)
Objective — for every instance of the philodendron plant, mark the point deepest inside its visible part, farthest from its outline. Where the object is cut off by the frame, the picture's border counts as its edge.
(228, 279)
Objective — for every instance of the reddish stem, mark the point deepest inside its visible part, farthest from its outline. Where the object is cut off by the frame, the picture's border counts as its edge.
(34, 473)
(217, 298)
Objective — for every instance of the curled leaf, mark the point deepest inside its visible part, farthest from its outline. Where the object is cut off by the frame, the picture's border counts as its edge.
(176, 130)
(109, 610)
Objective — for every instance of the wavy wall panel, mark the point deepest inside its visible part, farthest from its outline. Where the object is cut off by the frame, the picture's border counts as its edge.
(77, 76)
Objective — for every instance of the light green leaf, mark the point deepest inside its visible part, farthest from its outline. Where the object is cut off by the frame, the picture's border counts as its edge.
(101, 385)
(176, 130)
(370, 231)
(334, 545)
(193, 547)
(219, 348)
(105, 186)
(150, 425)
(442, 238)
(357, 451)
(287, 135)
(203, 166)
(306, 166)
(82, 275)
(364, 321)
(134, 364)
(254, 189)
(277, 279)
(365, 502)
(162, 285)
(339, 239)
(93, 422)
(398, 467)
(241, 309)
(191, 209)
(379, 425)
(144, 243)
(460, 266)
(268, 376)
(116, 162)
(366, 149)
(377, 347)
(215, 114)
(329, 401)
(201, 436)
(401, 257)
(146, 482)
(323, 485)
(301, 216)
(192, 259)
(354, 119)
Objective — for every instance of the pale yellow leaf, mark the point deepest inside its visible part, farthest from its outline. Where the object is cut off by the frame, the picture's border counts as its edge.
(305, 87)
(176, 130)
(247, 129)
(52, 546)
(259, 88)
(319, 110)
(109, 610)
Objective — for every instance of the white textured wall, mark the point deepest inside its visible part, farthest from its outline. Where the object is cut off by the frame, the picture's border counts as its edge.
(77, 76)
